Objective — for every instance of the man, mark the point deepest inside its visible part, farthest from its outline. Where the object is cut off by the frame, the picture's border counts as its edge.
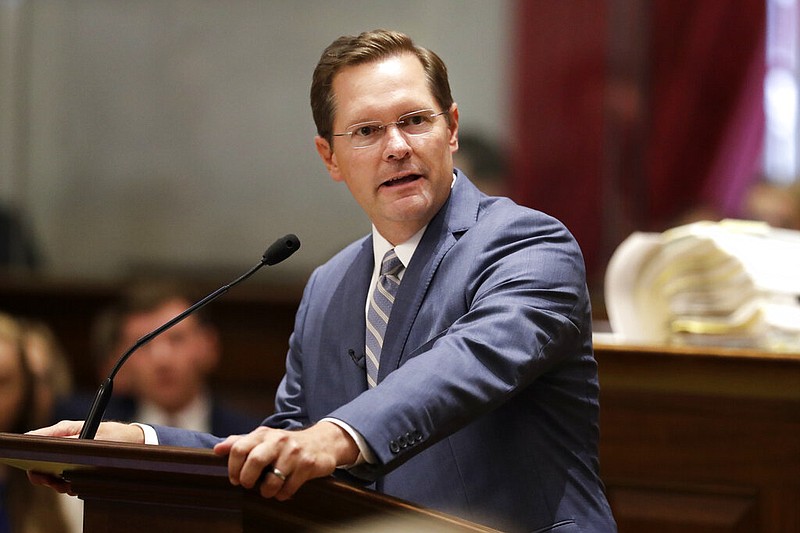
(483, 161)
(166, 382)
(18, 250)
(480, 398)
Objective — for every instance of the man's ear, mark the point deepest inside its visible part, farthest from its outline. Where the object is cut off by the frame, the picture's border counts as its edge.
(453, 127)
(325, 152)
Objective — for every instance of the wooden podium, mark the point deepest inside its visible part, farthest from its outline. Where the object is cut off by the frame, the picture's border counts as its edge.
(149, 489)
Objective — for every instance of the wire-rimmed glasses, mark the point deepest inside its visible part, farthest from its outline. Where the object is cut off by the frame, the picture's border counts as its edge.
(365, 134)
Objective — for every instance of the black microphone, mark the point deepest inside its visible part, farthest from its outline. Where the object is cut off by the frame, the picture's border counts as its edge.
(277, 252)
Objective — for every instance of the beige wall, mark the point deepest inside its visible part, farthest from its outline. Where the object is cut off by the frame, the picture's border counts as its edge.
(178, 133)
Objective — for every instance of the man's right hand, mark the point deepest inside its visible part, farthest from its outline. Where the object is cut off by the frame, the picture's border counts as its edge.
(112, 431)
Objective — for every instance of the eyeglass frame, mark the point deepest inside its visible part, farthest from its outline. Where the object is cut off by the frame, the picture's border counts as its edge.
(382, 126)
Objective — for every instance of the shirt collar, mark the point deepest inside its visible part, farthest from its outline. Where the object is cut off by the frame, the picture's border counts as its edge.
(196, 415)
(404, 250)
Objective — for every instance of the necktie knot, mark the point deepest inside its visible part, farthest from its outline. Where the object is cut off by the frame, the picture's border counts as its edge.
(391, 264)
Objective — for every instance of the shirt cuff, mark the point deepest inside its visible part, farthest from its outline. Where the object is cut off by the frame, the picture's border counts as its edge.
(365, 454)
(150, 436)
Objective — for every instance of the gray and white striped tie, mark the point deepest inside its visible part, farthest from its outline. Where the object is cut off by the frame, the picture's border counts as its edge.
(380, 307)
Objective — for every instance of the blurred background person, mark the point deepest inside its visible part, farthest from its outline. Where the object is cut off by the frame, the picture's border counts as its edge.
(48, 363)
(483, 161)
(24, 508)
(17, 247)
(777, 205)
(166, 380)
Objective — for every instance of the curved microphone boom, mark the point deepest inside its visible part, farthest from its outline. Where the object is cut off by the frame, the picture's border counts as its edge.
(277, 252)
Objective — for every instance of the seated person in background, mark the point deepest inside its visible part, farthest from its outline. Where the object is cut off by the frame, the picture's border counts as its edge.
(777, 205)
(24, 508)
(164, 381)
(51, 371)
(17, 248)
(483, 161)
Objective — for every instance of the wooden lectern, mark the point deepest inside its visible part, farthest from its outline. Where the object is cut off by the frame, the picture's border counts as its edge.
(148, 489)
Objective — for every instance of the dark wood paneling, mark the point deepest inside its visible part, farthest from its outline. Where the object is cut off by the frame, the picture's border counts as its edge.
(255, 321)
(700, 439)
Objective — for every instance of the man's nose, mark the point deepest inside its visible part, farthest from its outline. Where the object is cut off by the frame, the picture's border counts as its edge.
(395, 143)
(160, 349)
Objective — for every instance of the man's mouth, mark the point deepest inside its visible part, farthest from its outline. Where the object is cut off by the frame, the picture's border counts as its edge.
(401, 180)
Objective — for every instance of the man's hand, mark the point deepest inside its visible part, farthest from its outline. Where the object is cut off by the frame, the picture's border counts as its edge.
(296, 457)
(113, 431)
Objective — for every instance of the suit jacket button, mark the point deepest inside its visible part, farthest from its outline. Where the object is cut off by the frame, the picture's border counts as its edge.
(417, 436)
(394, 447)
(402, 441)
(409, 439)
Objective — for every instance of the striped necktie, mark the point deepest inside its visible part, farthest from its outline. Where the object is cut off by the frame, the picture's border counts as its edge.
(380, 307)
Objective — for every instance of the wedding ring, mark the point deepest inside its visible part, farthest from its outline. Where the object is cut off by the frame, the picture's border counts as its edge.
(280, 475)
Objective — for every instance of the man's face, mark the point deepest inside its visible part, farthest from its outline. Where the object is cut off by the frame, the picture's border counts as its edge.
(402, 181)
(171, 369)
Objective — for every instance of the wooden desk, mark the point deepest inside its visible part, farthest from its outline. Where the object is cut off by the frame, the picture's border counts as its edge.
(700, 439)
(131, 488)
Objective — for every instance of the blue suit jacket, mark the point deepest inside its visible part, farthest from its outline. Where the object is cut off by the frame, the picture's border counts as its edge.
(487, 403)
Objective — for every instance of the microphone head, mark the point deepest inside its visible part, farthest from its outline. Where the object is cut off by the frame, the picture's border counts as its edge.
(281, 249)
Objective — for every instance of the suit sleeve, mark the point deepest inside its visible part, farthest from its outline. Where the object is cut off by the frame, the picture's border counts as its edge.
(514, 298)
(170, 436)
(290, 402)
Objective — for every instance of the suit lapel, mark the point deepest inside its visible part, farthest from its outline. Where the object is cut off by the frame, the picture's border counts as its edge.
(347, 322)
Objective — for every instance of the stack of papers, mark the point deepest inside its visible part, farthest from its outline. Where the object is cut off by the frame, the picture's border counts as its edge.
(728, 283)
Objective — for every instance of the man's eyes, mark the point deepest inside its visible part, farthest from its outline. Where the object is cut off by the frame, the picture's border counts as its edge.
(367, 130)
(414, 120)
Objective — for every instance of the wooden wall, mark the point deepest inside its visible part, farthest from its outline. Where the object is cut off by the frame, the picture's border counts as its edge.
(255, 321)
(700, 440)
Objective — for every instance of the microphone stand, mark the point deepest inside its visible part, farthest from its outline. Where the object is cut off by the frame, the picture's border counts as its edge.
(277, 252)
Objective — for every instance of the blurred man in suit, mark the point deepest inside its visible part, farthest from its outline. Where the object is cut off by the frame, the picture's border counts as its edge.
(166, 381)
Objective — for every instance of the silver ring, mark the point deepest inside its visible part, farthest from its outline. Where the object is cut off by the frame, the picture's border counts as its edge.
(278, 474)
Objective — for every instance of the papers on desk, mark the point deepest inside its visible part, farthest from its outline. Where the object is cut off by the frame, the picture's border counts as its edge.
(730, 283)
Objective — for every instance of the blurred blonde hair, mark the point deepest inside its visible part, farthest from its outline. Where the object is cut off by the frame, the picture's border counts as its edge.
(31, 509)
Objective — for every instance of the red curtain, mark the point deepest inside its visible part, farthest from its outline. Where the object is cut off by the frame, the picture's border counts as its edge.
(607, 158)
(558, 105)
(707, 112)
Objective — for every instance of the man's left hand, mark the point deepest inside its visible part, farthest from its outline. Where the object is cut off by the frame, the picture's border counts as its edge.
(290, 457)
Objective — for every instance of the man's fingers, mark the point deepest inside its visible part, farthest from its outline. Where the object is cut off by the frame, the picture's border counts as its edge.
(48, 480)
(224, 447)
(243, 450)
(114, 431)
(271, 481)
(296, 456)
(291, 485)
(259, 460)
(65, 428)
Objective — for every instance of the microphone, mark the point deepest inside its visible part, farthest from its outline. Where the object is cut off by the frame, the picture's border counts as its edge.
(277, 252)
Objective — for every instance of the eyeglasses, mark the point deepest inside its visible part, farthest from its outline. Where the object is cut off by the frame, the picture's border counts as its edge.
(366, 134)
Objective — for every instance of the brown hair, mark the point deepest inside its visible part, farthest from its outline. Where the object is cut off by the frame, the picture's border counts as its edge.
(367, 47)
(30, 508)
(137, 296)
(12, 333)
